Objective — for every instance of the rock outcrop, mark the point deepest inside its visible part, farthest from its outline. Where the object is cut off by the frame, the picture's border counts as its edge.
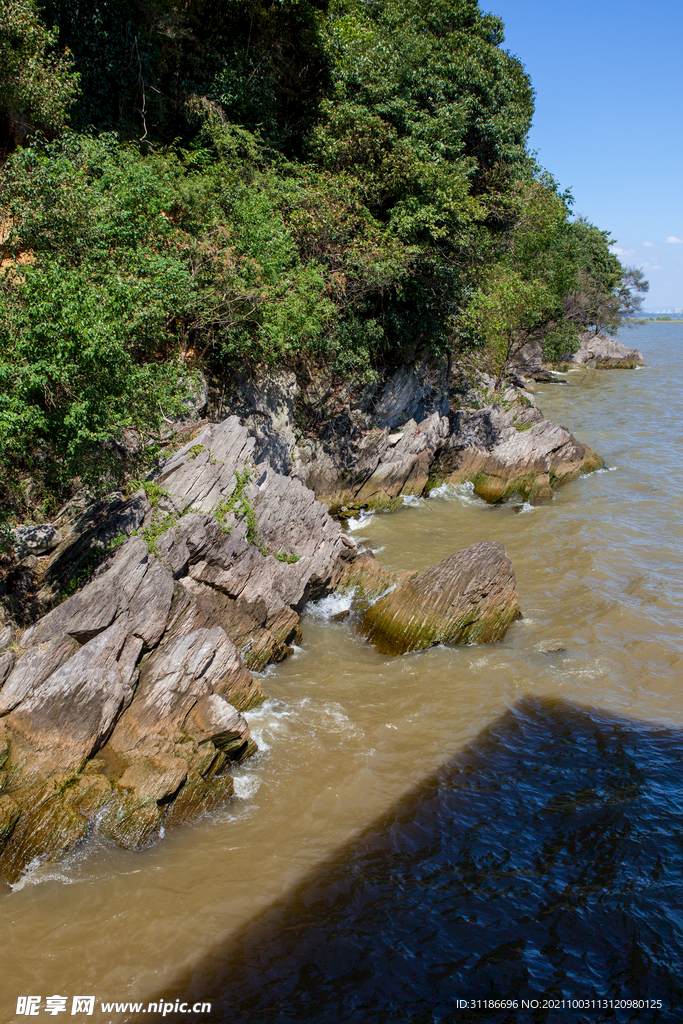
(469, 597)
(501, 460)
(599, 352)
(414, 428)
(122, 706)
(35, 540)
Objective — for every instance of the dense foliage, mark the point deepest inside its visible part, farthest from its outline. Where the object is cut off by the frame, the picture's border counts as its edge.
(264, 181)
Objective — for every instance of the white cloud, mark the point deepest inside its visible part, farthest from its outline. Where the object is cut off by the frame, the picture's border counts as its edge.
(621, 252)
(674, 241)
(649, 245)
(656, 267)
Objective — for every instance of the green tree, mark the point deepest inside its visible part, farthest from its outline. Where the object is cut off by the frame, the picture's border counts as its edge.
(38, 84)
(503, 316)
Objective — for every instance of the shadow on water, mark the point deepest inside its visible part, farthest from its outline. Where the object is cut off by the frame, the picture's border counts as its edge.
(544, 862)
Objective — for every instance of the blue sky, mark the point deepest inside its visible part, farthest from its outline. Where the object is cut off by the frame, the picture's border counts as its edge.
(608, 76)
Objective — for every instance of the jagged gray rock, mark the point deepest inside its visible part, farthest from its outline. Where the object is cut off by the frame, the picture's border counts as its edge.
(134, 585)
(35, 540)
(600, 352)
(123, 703)
(501, 460)
(66, 717)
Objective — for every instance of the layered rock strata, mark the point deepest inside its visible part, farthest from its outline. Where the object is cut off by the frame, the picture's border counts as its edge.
(415, 429)
(469, 597)
(122, 705)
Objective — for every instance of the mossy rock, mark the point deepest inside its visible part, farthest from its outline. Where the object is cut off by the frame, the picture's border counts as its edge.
(198, 796)
(367, 579)
(130, 821)
(469, 597)
(53, 818)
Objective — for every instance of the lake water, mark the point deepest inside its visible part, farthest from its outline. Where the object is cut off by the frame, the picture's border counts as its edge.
(479, 823)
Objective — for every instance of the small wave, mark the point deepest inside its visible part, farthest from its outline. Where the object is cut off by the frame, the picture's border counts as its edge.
(246, 785)
(356, 522)
(463, 492)
(265, 718)
(327, 607)
(66, 870)
(337, 720)
(411, 499)
(33, 875)
(527, 507)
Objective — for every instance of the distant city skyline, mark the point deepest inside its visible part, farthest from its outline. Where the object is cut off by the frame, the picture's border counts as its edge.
(605, 73)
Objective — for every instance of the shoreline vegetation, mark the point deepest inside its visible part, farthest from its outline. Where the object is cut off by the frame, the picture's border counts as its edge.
(259, 270)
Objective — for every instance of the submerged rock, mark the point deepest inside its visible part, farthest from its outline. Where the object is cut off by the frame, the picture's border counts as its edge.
(469, 597)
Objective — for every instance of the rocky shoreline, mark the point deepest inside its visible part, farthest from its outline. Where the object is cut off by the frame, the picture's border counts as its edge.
(121, 706)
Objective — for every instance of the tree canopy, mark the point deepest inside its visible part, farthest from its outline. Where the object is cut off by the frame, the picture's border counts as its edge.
(321, 185)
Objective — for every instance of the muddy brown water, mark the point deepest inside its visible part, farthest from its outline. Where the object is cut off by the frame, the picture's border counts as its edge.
(347, 733)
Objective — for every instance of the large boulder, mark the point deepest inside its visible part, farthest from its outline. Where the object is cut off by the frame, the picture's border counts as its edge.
(469, 597)
(599, 352)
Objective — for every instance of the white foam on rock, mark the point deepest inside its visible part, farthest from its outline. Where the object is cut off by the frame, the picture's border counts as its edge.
(464, 493)
(327, 607)
(246, 785)
(356, 522)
